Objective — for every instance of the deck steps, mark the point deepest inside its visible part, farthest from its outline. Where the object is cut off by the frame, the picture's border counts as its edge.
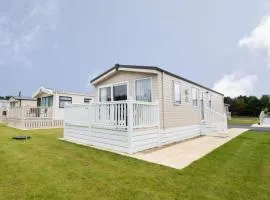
(213, 130)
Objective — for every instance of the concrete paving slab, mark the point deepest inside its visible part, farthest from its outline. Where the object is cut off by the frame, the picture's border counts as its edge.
(261, 125)
(184, 153)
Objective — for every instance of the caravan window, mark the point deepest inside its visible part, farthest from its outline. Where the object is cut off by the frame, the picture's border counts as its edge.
(105, 94)
(177, 93)
(87, 100)
(64, 100)
(143, 89)
(194, 96)
(47, 101)
(115, 92)
(120, 92)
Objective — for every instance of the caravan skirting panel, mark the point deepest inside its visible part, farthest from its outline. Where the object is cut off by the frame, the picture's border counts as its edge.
(118, 140)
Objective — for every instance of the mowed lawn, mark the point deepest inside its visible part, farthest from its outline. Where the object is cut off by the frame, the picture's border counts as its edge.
(239, 120)
(47, 168)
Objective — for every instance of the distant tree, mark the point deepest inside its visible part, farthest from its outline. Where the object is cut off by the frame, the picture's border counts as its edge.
(247, 105)
(5, 97)
(254, 106)
(228, 100)
(240, 106)
(264, 100)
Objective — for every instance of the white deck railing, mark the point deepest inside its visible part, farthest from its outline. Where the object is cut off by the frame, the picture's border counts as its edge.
(116, 114)
(113, 114)
(229, 115)
(32, 118)
(213, 117)
(77, 114)
(30, 113)
(145, 114)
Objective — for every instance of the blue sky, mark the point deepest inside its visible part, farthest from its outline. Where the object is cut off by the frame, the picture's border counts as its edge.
(224, 45)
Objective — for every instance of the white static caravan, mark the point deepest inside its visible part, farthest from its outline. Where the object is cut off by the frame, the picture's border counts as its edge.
(58, 99)
(44, 110)
(141, 107)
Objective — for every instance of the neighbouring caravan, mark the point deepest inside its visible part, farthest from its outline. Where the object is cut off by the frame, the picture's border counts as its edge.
(58, 99)
(45, 109)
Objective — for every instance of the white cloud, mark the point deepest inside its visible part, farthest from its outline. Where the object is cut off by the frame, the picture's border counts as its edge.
(22, 28)
(259, 38)
(236, 83)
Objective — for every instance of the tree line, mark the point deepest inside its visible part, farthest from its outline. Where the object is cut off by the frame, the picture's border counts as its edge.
(5, 97)
(247, 105)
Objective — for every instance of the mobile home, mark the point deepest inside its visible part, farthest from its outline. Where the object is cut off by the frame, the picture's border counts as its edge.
(45, 109)
(141, 107)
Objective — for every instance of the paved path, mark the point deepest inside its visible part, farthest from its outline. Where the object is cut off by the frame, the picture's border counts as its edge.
(250, 127)
(184, 153)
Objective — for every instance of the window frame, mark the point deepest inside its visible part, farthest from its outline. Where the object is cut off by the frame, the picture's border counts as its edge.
(119, 84)
(197, 96)
(107, 86)
(111, 87)
(151, 86)
(174, 94)
(46, 100)
(62, 100)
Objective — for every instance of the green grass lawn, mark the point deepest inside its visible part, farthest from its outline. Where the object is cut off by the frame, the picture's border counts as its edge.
(243, 120)
(47, 168)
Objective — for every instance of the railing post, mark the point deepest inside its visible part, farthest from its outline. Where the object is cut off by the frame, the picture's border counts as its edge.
(158, 120)
(22, 117)
(226, 123)
(90, 118)
(130, 125)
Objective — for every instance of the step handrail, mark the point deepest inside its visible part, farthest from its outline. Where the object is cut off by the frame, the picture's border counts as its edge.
(261, 116)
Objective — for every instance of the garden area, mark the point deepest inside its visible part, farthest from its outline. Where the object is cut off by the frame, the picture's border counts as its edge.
(242, 120)
(44, 167)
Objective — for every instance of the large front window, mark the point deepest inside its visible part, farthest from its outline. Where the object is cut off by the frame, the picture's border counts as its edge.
(143, 89)
(117, 92)
(120, 92)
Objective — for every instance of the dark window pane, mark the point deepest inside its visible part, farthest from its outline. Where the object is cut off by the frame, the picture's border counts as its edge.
(38, 102)
(120, 92)
(87, 100)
